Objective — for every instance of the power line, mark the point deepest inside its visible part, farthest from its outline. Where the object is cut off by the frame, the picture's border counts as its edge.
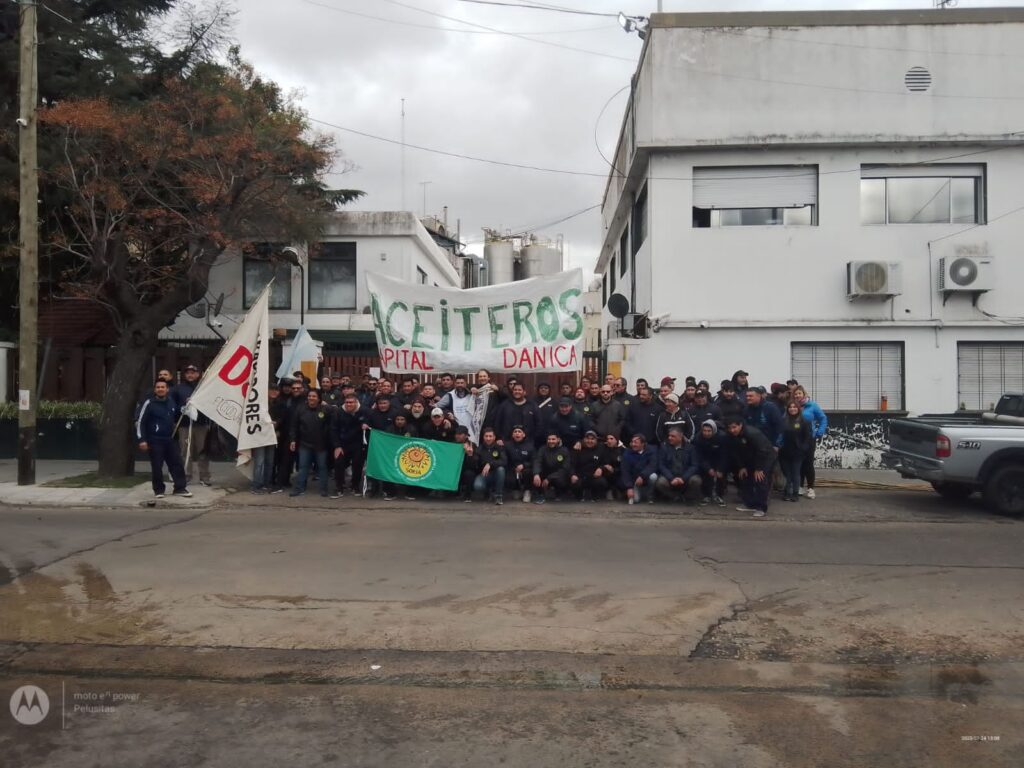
(602, 175)
(597, 124)
(531, 7)
(436, 28)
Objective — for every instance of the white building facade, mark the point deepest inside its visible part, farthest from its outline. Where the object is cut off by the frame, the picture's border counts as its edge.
(832, 196)
(328, 293)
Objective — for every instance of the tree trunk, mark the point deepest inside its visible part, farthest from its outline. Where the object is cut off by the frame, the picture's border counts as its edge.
(130, 377)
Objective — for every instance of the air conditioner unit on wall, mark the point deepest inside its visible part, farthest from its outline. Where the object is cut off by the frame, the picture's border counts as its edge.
(966, 274)
(873, 279)
(615, 330)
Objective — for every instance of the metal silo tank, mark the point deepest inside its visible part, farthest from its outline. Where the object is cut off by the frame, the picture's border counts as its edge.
(500, 257)
(542, 259)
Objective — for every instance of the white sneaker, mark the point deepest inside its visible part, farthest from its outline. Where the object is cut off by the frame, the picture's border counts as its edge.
(758, 513)
(631, 501)
(526, 497)
(745, 508)
(802, 491)
(810, 493)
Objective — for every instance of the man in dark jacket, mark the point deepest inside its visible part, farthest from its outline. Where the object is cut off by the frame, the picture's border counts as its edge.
(703, 410)
(154, 431)
(639, 470)
(589, 468)
(311, 438)
(642, 416)
(382, 417)
(611, 460)
(752, 458)
(678, 471)
(764, 416)
(728, 403)
(672, 416)
(199, 435)
(438, 427)
(493, 467)
(546, 407)
(470, 463)
(713, 460)
(740, 384)
(568, 424)
(515, 410)
(552, 469)
(347, 433)
(520, 462)
(609, 414)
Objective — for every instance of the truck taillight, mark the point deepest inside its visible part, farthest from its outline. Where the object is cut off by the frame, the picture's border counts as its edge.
(943, 448)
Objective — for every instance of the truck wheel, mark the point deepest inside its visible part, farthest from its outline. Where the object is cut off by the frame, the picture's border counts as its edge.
(1004, 491)
(957, 491)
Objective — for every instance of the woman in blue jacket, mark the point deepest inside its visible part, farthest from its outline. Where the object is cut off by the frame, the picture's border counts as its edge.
(819, 426)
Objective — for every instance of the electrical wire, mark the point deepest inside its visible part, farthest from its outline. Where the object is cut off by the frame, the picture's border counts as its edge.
(975, 226)
(597, 124)
(436, 28)
(531, 7)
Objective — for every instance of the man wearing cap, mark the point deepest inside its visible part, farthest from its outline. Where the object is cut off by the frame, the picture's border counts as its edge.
(740, 384)
(703, 410)
(568, 424)
(438, 427)
(589, 469)
(348, 432)
(678, 470)
(672, 416)
(552, 470)
(520, 452)
(196, 432)
(546, 407)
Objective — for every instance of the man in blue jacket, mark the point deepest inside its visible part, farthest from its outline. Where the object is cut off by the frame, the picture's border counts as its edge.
(764, 416)
(196, 432)
(154, 432)
(678, 470)
(639, 470)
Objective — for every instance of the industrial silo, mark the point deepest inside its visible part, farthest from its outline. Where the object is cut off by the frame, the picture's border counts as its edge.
(541, 259)
(500, 257)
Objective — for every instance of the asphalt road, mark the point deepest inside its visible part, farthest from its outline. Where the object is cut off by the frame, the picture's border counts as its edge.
(863, 628)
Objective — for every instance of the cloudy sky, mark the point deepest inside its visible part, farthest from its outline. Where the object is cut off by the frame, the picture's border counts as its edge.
(488, 81)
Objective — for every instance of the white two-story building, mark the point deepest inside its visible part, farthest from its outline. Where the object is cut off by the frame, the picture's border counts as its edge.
(325, 288)
(832, 196)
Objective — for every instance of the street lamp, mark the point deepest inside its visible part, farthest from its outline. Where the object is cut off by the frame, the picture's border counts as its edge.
(636, 24)
(291, 255)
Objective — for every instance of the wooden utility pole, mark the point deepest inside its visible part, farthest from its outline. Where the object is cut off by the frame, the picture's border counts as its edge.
(28, 202)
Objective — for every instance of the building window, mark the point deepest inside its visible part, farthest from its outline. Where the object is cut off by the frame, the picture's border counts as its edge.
(258, 267)
(755, 195)
(421, 276)
(332, 276)
(611, 276)
(639, 222)
(623, 250)
(985, 371)
(922, 194)
(851, 376)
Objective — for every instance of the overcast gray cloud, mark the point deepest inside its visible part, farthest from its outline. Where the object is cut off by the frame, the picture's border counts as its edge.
(473, 92)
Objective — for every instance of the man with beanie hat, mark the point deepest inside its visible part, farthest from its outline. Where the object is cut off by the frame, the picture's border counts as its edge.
(672, 416)
(589, 468)
(713, 462)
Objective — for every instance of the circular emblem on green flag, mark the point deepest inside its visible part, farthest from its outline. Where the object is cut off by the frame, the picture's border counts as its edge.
(416, 461)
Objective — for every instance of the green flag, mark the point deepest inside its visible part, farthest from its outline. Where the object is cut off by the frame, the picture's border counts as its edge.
(411, 461)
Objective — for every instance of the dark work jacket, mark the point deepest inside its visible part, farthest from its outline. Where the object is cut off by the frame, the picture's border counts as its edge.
(712, 452)
(667, 420)
(311, 428)
(729, 408)
(609, 418)
(471, 464)
(750, 450)
(584, 408)
(381, 420)
(280, 414)
(678, 461)
(570, 427)
(642, 419)
(492, 455)
(544, 413)
(765, 417)
(520, 453)
(156, 419)
(347, 429)
(588, 460)
(509, 414)
(180, 395)
(547, 461)
(709, 411)
(612, 457)
(445, 434)
(636, 465)
(333, 397)
(796, 436)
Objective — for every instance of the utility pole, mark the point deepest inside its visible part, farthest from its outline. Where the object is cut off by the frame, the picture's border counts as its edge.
(403, 156)
(424, 184)
(28, 205)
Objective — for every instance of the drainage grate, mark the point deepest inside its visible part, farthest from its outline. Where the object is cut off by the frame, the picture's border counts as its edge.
(917, 79)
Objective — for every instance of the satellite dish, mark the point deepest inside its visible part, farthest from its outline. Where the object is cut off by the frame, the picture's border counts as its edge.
(963, 271)
(618, 305)
(219, 304)
(197, 310)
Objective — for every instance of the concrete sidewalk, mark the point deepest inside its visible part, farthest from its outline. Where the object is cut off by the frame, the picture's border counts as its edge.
(223, 475)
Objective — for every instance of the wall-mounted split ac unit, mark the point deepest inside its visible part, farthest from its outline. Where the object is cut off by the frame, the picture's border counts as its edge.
(873, 279)
(966, 274)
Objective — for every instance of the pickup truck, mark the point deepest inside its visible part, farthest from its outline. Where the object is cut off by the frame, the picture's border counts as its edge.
(960, 455)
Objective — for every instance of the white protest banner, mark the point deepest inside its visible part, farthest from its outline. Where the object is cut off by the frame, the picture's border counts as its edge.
(233, 391)
(528, 325)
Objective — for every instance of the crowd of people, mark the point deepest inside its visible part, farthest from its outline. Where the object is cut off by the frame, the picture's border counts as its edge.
(588, 442)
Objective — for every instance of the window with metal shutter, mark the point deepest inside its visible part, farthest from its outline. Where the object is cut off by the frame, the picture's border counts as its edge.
(850, 376)
(985, 371)
(755, 186)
